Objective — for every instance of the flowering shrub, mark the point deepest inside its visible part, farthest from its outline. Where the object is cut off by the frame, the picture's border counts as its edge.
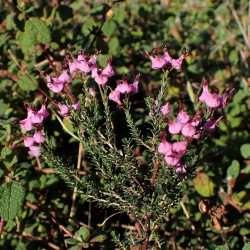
(143, 189)
(138, 167)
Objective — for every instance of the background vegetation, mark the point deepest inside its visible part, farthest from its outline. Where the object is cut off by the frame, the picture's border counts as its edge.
(217, 35)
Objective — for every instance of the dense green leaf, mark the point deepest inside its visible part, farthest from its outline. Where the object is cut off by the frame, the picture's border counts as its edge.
(109, 28)
(8, 157)
(11, 199)
(25, 83)
(245, 150)
(204, 185)
(234, 169)
(38, 30)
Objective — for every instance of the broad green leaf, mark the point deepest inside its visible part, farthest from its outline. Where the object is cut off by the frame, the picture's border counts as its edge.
(113, 45)
(235, 122)
(246, 246)
(119, 16)
(204, 185)
(245, 150)
(8, 157)
(37, 28)
(88, 26)
(26, 84)
(222, 247)
(11, 199)
(4, 39)
(84, 233)
(71, 241)
(109, 28)
(234, 169)
(3, 107)
(244, 231)
(74, 248)
(98, 237)
(26, 41)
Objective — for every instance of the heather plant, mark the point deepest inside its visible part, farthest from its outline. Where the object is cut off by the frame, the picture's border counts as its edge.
(144, 185)
(126, 134)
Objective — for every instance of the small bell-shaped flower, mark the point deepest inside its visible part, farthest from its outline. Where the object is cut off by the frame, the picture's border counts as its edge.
(115, 96)
(34, 151)
(157, 62)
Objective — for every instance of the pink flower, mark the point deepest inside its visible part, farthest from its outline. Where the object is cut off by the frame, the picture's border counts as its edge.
(196, 121)
(123, 87)
(180, 169)
(188, 130)
(174, 63)
(134, 85)
(92, 92)
(34, 151)
(115, 96)
(39, 116)
(28, 141)
(172, 160)
(72, 65)
(38, 138)
(174, 127)
(183, 117)
(180, 148)
(64, 77)
(223, 98)
(64, 110)
(173, 152)
(76, 106)
(27, 124)
(165, 110)
(54, 84)
(165, 148)
(108, 71)
(99, 76)
(86, 64)
(211, 100)
(210, 126)
(157, 62)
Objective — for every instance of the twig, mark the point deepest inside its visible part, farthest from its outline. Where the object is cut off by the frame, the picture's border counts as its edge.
(238, 23)
(13, 8)
(48, 58)
(75, 188)
(102, 224)
(38, 163)
(230, 201)
(156, 169)
(37, 238)
(1, 226)
(25, 73)
(187, 214)
(63, 228)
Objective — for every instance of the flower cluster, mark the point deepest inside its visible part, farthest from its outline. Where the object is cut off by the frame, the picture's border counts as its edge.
(213, 100)
(190, 127)
(166, 60)
(123, 87)
(34, 121)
